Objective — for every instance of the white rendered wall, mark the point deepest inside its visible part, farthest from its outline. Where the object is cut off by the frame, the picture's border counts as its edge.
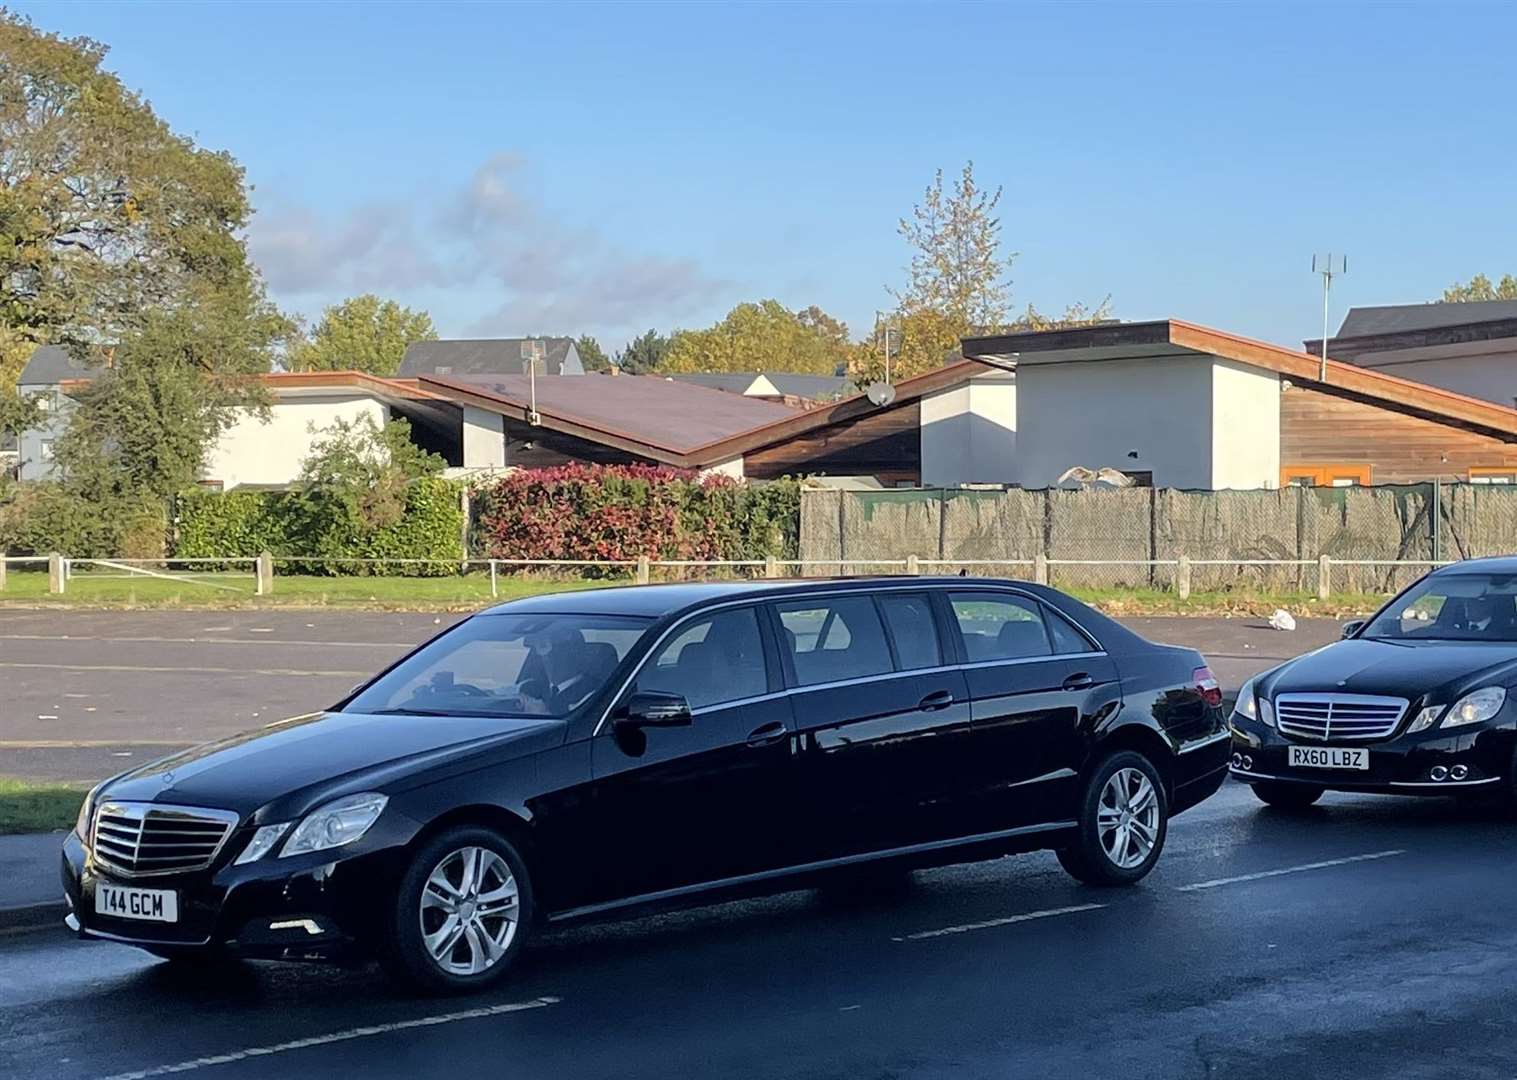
(969, 432)
(252, 451)
(1245, 426)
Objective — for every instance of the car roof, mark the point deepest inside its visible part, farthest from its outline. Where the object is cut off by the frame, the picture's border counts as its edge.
(655, 601)
(1493, 564)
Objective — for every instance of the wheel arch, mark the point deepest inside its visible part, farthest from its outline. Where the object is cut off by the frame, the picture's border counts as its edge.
(509, 824)
(1143, 739)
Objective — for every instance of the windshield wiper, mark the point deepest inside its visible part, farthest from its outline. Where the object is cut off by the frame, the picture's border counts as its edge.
(408, 712)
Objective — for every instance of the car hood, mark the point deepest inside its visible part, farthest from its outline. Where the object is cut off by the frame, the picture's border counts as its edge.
(1394, 668)
(321, 753)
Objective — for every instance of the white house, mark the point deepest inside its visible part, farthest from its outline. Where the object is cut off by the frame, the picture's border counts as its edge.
(1173, 404)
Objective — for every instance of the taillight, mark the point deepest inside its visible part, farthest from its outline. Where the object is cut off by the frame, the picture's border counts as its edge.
(1207, 685)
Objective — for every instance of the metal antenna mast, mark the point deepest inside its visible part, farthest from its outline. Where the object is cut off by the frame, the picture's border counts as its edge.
(1323, 264)
(535, 352)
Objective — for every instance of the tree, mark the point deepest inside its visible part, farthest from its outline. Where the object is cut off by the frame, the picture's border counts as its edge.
(363, 333)
(957, 268)
(591, 355)
(125, 242)
(958, 285)
(107, 215)
(765, 336)
(643, 354)
(1480, 288)
(144, 425)
(361, 470)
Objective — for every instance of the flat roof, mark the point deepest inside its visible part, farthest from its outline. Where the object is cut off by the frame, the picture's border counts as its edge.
(1174, 337)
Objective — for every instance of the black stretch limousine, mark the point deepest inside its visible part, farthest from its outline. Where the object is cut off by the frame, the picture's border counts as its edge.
(586, 754)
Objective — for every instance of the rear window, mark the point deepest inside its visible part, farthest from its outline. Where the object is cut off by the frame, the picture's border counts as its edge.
(832, 639)
(998, 626)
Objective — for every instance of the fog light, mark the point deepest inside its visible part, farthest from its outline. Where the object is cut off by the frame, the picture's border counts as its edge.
(1248, 762)
(1237, 761)
(1438, 772)
(1459, 772)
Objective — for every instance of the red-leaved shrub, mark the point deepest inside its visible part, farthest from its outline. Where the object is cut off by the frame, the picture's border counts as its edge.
(618, 512)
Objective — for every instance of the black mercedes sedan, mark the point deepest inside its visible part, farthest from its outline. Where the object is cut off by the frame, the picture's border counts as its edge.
(588, 754)
(1413, 701)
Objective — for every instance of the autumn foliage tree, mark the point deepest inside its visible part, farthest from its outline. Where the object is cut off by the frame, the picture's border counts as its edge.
(958, 284)
(1479, 288)
(363, 333)
(762, 336)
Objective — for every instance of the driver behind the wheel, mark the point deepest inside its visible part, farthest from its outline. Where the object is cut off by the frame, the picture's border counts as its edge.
(556, 657)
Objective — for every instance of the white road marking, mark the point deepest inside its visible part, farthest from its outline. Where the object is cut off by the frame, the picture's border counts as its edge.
(1323, 865)
(1007, 921)
(336, 1037)
(186, 670)
(212, 641)
(84, 744)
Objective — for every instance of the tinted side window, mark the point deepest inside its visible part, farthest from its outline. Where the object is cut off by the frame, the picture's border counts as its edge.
(914, 630)
(996, 626)
(710, 661)
(1066, 639)
(835, 638)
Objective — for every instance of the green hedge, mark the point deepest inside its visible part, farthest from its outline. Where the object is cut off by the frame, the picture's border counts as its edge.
(295, 524)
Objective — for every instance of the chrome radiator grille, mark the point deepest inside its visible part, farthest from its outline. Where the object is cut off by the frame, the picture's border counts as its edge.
(144, 839)
(1344, 717)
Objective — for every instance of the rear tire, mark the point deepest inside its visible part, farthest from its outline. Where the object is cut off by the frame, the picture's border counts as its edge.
(461, 914)
(1287, 796)
(1123, 820)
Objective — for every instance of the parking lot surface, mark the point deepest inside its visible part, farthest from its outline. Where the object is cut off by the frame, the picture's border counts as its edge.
(86, 694)
(1368, 937)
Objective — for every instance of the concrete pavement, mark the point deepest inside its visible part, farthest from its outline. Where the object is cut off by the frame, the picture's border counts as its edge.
(1369, 937)
(85, 694)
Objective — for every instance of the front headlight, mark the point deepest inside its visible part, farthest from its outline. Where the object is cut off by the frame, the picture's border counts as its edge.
(1476, 706)
(263, 840)
(1251, 706)
(86, 811)
(339, 822)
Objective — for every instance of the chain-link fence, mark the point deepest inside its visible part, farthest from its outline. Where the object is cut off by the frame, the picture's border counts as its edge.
(1378, 539)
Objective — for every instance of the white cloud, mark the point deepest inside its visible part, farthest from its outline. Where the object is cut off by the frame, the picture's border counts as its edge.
(530, 271)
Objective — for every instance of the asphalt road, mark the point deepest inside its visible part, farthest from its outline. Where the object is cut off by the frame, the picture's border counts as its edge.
(85, 694)
(1370, 937)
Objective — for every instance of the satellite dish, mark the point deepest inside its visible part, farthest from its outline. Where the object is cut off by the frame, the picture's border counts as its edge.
(880, 393)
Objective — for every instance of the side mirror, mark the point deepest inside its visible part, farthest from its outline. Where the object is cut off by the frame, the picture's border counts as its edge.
(650, 708)
(1352, 627)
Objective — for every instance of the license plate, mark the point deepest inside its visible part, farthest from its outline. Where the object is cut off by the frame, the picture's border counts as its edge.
(1329, 757)
(152, 905)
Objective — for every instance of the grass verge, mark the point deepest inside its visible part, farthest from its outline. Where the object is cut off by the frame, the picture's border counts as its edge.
(28, 806)
(218, 591)
(1140, 602)
(467, 592)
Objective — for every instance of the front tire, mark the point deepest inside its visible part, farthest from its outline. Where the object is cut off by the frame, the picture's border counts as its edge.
(1287, 796)
(461, 913)
(1124, 818)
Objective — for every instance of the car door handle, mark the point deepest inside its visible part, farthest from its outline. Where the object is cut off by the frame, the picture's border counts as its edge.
(939, 699)
(1080, 680)
(767, 734)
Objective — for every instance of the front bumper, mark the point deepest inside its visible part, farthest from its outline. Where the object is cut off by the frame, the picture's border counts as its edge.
(323, 905)
(1420, 764)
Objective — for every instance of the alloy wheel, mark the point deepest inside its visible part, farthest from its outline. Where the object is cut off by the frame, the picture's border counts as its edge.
(470, 911)
(1127, 818)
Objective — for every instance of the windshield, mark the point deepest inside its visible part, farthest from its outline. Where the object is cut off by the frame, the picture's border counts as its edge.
(506, 665)
(1452, 607)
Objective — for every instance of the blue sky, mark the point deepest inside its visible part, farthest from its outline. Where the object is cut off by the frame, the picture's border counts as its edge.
(606, 168)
